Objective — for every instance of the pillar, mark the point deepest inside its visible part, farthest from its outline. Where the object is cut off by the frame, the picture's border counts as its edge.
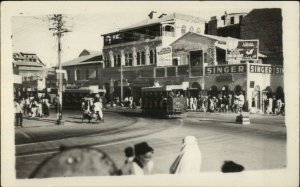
(111, 58)
(134, 62)
(75, 74)
(122, 58)
(147, 55)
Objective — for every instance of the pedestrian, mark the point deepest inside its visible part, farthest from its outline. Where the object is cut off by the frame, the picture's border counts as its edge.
(195, 104)
(279, 105)
(46, 106)
(33, 106)
(189, 159)
(98, 108)
(191, 103)
(240, 101)
(18, 112)
(129, 154)
(270, 106)
(142, 164)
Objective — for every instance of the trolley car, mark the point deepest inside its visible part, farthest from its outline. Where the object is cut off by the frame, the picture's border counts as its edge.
(72, 98)
(166, 101)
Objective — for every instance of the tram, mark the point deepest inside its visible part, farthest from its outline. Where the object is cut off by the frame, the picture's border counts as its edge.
(166, 101)
(72, 97)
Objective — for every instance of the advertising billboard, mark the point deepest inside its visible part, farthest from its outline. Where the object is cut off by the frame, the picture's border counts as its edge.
(244, 50)
(164, 56)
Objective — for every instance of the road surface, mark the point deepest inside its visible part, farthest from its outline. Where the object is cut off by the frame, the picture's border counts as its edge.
(260, 145)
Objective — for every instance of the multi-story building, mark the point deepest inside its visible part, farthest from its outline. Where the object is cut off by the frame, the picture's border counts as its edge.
(135, 47)
(264, 25)
(30, 69)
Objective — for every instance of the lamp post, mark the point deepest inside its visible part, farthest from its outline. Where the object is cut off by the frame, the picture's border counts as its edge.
(121, 82)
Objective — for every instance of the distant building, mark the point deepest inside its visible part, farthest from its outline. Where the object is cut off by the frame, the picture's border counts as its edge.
(264, 25)
(84, 69)
(30, 69)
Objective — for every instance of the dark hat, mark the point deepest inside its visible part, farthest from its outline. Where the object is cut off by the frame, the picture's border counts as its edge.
(142, 148)
(128, 151)
(230, 166)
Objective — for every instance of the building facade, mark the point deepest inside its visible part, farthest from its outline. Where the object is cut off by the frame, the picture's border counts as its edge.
(30, 70)
(264, 25)
(85, 69)
(219, 75)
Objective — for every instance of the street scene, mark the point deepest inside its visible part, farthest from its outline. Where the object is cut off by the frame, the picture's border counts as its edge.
(148, 93)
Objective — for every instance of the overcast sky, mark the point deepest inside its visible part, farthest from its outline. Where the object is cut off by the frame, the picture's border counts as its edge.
(88, 20)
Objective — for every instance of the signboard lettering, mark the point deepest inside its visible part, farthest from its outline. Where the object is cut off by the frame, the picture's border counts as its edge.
(164, 56)
(245, 50)
(241, 68)
(222, 78)
(266, 69)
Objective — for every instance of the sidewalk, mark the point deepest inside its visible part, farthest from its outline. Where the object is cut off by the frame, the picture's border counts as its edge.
(262, 122)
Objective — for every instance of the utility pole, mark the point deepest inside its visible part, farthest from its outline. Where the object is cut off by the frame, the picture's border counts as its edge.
(121, 82)
(58, 29)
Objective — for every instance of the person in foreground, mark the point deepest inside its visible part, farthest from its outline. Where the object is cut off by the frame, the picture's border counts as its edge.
(142, 163)
(189, 159)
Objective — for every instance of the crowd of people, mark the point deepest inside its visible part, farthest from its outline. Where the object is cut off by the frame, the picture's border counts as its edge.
(274, 105)
(213, 104)
(32, 106)
(127, 102)
(92, 108)
(236, 104)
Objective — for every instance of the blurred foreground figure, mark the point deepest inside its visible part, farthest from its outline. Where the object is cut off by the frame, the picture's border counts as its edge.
(76, 162)
(230, 166)
(189, 158)
(142, 163)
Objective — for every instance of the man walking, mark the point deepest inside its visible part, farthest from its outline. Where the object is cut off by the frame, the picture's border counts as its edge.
(18, 112)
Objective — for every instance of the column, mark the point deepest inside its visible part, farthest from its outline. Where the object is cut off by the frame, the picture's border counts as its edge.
(122, 58)
(111, 58)
(134, 62)
(75, 74)
(147, 55)
(215, 56)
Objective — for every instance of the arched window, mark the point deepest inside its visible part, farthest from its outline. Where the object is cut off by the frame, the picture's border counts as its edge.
(138, 58)
(119, 60)
(192, 29)
(115, 60)
(183, 29)
(126, 60)
(130, 59)
(151, 57)
(143, 58)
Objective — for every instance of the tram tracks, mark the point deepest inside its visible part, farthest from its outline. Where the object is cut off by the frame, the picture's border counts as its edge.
(116, 136)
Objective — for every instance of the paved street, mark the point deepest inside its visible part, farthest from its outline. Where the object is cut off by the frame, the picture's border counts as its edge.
(261, 145)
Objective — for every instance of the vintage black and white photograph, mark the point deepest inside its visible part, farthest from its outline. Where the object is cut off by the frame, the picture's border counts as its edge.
(149, 88)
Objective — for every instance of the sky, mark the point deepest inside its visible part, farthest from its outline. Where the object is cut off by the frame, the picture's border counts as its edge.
(89, 20)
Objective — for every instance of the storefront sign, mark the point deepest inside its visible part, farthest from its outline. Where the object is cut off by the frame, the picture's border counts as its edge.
(245, 50)
(224, 78)
(164, 56)
(266, 69)
(241, 68)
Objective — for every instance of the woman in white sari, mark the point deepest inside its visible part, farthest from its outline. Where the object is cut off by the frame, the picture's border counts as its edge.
(189, 159)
